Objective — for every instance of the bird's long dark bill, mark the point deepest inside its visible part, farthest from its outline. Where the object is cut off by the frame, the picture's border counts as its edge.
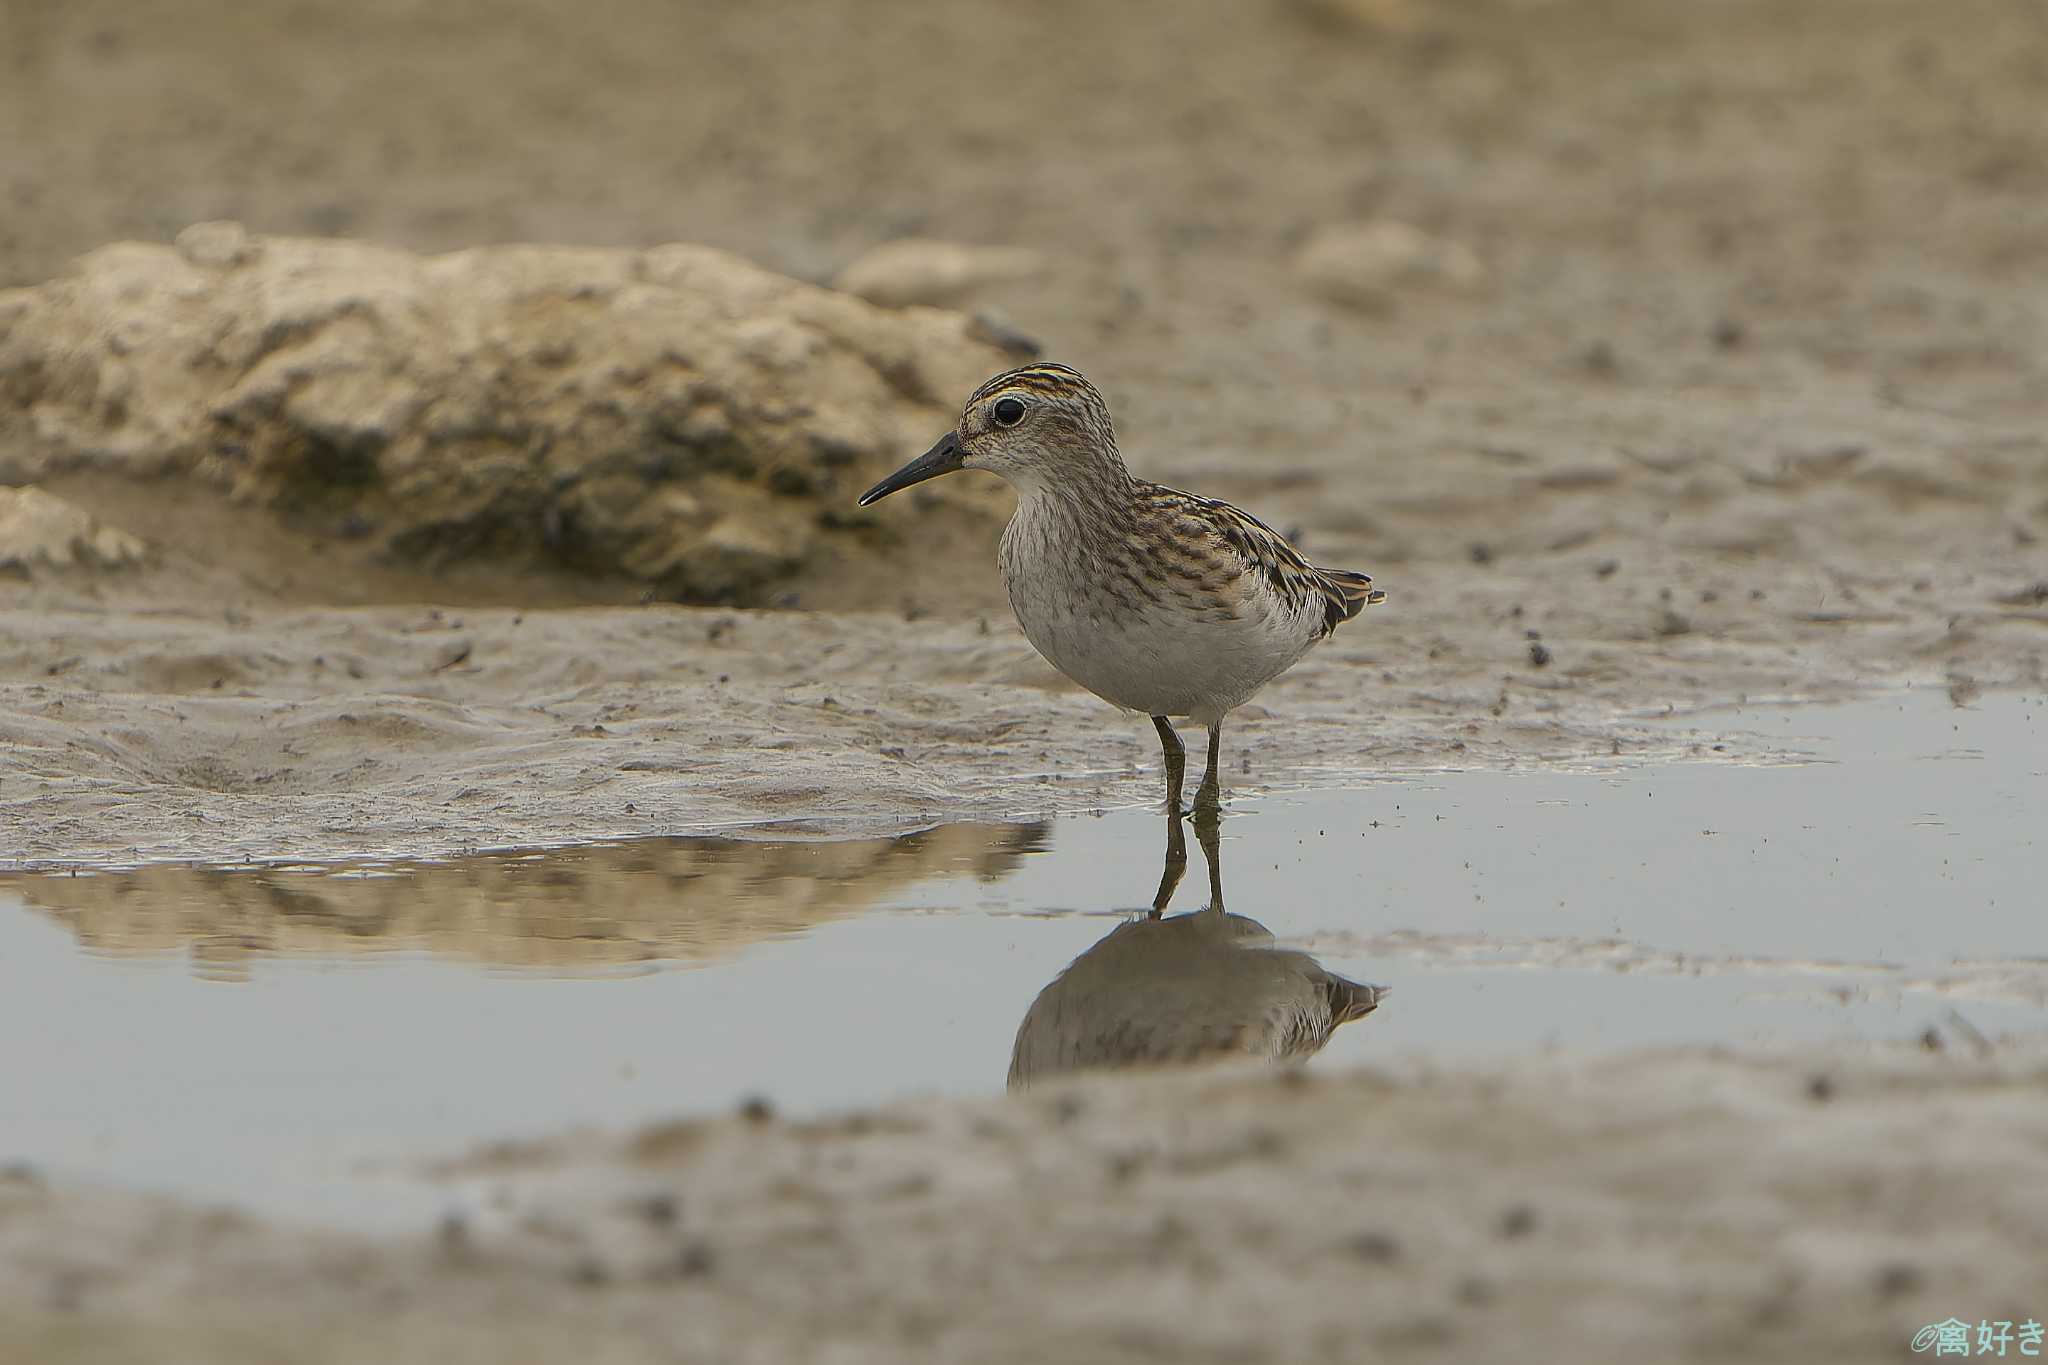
(943, 458)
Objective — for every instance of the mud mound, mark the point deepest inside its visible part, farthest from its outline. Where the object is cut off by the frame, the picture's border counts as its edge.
(675, 416)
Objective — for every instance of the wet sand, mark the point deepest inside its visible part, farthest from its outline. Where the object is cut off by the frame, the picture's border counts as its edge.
(1809, 1206)
(139, 732)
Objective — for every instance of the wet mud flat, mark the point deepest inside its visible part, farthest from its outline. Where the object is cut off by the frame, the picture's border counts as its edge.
(1606, 1208)
(510, 1074)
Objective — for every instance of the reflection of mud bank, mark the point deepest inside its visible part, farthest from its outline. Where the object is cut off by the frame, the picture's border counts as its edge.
(648, 901)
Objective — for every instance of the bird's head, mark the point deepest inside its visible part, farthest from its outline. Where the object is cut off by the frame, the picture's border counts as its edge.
(1039, 426)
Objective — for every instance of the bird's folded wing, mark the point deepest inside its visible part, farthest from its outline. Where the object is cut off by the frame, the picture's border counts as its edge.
(1265, 554)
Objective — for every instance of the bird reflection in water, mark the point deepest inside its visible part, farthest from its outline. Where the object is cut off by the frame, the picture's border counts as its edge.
(1170, 990)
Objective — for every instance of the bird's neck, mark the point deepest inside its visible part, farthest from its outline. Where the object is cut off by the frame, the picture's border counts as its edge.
(1096, 489)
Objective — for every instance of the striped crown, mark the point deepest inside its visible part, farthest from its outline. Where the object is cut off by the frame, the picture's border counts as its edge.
(1044, 378)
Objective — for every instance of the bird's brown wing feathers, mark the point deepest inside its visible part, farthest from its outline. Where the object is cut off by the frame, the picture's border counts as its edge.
(1263, 552)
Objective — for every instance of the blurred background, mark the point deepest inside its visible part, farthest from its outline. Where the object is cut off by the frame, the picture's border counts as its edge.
(1405, 274)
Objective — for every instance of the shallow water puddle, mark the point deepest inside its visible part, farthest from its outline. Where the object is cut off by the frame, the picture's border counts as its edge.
(261, 1034)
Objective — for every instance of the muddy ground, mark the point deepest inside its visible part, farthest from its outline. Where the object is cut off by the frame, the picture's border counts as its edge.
(1721, 371)
(1664, 1206)
(1746, 398)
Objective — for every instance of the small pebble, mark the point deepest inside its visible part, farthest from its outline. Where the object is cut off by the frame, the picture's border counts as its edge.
(1600, 359)
(661, 1209)
(453, 1235)
(1170, 1231)
(1377, 1248)
(1518, 1221)
(999, 332)
(695, 1260)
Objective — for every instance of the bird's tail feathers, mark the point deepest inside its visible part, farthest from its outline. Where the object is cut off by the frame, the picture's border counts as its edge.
(1350, 593)
(1352, 999)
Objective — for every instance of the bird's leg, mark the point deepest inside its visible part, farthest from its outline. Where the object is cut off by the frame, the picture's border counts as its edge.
(1176, 862)
(1207, 820)
(1176, 762)
(1210, 793)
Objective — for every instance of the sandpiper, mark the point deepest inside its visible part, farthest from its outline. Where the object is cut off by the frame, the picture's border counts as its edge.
(1155, 600)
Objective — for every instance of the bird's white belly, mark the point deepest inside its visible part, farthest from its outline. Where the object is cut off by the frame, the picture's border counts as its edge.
(1159, 658)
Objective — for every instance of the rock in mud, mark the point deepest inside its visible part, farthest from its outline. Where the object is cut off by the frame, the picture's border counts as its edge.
(1369, 265)
(38, 532)
(677, 415)
(916, 271)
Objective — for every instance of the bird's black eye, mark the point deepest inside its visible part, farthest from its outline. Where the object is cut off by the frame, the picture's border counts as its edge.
(1007, 412)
